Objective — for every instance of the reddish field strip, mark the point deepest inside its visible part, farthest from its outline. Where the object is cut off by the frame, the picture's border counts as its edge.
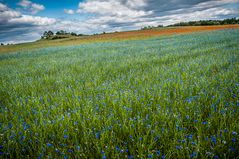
(163, 31)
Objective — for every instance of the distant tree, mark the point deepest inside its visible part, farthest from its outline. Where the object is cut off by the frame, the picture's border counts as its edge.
(61, 32)
(50, 33)
(47, 34)
(73, 34)
(2, 44)
(148, 27)
(104, 32)
(44, 35)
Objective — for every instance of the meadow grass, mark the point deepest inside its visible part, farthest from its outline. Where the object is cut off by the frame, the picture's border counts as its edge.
(165, 97)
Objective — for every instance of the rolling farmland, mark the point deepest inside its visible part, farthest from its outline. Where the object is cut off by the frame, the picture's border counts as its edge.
(114, 37)
(170, 96)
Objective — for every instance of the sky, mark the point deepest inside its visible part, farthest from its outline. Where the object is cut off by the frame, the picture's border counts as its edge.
(26, 20)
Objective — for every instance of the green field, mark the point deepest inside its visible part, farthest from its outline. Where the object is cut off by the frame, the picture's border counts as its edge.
(165, 97)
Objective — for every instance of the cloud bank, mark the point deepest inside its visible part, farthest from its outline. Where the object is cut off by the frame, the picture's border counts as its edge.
(16, 27)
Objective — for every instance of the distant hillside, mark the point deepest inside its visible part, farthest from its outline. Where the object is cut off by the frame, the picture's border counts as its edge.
(64, 40)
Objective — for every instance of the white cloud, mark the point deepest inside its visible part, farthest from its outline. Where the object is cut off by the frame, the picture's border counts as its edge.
(136, 3)
(112, 8)
(11, 16)
(7, 13)
(213, 4)
(69, 11)
(34, 20)
(34, 8)
(25, 3)
(3, 7)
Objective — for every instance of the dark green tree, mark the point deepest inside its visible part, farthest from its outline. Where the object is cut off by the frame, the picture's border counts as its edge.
(73, 34)
(47, 34)
(61, 32)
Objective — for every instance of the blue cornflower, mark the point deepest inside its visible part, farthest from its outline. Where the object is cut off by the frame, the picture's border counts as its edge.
(49, 145)
(65, 157)
(70, 150)
(1, 147)
(23, 137)
(204, 122)
(117, 148)
(195, 121)
(194, 154)
(25, 126)
(130, 157)
(150, 156)
(63, 145)
(131, 136)
(178, 147)
(189, 99)
(234, 133)
(1, 153)
(126, 150)
(183, 141)
(156, 138)
(163, 157)
(158, 152)
(213, 139)
(232, 148)
(65, 136)
(57, 151)
(140, 138)
(190, 136)
(78, 148)
(11, 137)
(10, 125)
(222, 111)
(97, 135)
(234, 140)
(216, 157)
(40, 156)
(104, 157)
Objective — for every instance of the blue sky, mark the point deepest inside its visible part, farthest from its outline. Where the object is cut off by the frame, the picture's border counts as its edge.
(53, 9)
(26, 20)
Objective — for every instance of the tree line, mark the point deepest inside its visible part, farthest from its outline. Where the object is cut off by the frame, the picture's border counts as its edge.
(58, 35)
(208, 22)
